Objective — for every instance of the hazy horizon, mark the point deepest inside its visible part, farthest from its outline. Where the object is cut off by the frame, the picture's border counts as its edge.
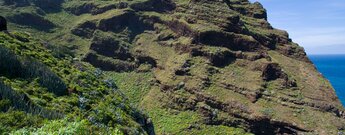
(318, 25)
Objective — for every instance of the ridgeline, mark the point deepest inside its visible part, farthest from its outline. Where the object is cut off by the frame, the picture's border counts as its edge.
(156, 67)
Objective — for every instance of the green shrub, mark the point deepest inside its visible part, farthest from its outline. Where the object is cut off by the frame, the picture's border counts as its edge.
(67, 127)
(42, 78)
(22, 102)
(15, 66)
(14, 120)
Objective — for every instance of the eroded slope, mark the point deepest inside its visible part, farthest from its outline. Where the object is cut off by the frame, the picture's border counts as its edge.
(196, 66)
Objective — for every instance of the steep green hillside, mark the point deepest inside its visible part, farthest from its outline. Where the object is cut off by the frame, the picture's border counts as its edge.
(37, 89)
(157, 67)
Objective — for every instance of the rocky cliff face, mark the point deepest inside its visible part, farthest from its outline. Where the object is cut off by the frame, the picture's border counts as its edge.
(194, 66)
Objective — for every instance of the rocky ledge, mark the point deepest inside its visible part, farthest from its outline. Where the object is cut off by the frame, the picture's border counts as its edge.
(219, 61)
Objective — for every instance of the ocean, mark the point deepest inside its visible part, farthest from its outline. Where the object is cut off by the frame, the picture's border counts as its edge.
(333, 68)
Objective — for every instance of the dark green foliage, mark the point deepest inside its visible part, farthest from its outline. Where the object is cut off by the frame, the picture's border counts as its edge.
(4, 104)
(194, 65)
(13, 66)
(46, 77)
(46, 5)
(3, 24)
(17, 3)
(14, 120)
(9, 64)
(36, 21)
(22, 102)
(60, 51)
(38, 74)
(113, 111)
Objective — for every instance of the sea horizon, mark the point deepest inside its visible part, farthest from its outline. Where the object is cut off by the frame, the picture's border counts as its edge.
(324, 54)
(332, 67)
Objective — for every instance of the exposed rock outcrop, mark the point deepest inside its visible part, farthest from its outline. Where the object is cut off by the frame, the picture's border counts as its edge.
(45, 5)
(35, 21)
(272, 71)
(108, 64)
(155, 5)
(200, 64)
(92, 8)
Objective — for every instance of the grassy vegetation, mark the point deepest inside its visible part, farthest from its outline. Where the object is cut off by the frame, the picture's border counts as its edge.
(86, 94)
(12, 119)
(65, 126)
(239, 76)
(171, 121)
(218, 130)
(134, 85)
(46, 71)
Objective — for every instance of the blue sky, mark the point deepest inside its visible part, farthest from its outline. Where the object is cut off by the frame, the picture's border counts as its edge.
(317, 25)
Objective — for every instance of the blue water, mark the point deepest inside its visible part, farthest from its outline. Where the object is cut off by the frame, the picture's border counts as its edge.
(333, 68)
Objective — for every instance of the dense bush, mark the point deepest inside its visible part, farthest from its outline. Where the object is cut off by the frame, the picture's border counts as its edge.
(66, 127)
(9, 64)
(32, 81)
(14, 66)
(14, 120)
(4, 104)
(22, 102)
(46, 77)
